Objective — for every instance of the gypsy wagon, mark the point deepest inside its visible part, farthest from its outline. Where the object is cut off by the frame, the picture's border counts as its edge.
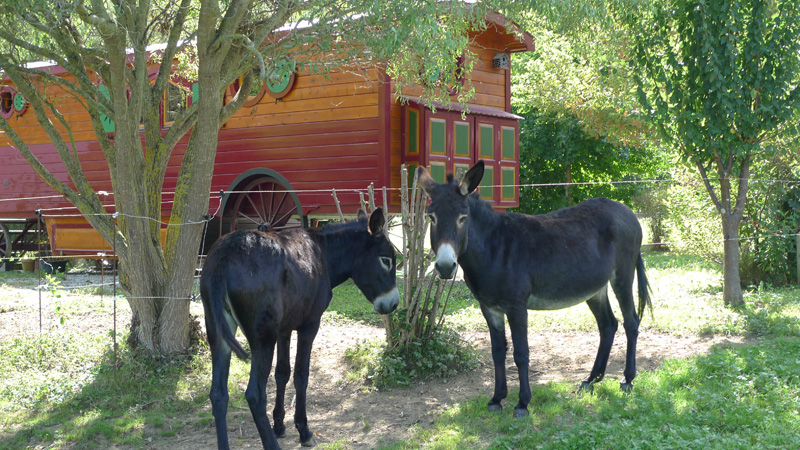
(282, 154)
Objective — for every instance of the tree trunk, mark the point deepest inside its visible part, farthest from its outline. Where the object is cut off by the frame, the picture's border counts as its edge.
(159, 303)
(732, 285)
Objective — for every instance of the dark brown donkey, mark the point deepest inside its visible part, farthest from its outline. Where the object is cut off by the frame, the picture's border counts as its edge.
(270, 284)
(515, 262)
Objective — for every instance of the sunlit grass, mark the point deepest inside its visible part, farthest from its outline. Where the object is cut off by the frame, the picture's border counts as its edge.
(59, 389)
(737, 397)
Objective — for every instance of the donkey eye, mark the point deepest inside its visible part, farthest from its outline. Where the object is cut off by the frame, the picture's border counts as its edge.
(462, 220)
(386, 262)
(432, 216)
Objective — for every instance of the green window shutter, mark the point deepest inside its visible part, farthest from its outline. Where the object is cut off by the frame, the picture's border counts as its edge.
(487, 191)
(462, 139)
(108, 124)
(507, 191)
(508, 142)
(195, 92)
(438, 139)
(487, 142)
(413, 132)
(438, 173)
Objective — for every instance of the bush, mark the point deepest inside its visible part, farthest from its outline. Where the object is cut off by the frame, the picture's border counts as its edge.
(772, 215)
(694, 225)
(444, 354)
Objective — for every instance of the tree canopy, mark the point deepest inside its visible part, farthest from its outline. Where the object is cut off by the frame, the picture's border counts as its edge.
(118, 59)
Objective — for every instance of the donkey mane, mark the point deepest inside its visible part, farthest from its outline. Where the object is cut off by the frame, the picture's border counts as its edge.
(338, 228)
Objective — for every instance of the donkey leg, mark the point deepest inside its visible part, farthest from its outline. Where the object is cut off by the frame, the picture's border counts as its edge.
(607, 324)
(624, 292)
(283, 370)
(305, 338)
(220, 363)
(256, 393)
(518, 322)
(497, 334)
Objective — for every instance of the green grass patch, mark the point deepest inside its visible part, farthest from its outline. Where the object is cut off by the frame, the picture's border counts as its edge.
(737, 397)
(58, 389)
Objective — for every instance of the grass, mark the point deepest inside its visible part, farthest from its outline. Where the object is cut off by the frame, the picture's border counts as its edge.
(58, 389)
(737, 397)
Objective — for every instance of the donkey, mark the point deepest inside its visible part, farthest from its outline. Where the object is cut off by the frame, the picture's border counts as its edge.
(270, 284)
(515, 262)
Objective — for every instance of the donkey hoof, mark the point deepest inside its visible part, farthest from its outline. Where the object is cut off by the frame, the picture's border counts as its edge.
(279, 429)
(519, 413)
(586, 387)
(310, 442)
(495, 407)
(625, 386)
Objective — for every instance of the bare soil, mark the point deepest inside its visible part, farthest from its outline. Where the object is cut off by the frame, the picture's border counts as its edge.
(347, 411)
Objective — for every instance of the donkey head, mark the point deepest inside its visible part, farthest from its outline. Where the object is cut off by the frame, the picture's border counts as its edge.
(449, 214)
(375, 269)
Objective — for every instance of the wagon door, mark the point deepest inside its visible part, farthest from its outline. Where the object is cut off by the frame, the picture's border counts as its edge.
(449, 143)
(498, 146)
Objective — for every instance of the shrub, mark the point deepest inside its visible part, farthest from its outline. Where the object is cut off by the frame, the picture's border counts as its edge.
(444, 354)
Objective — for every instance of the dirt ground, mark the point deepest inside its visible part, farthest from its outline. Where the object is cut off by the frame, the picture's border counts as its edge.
(343, 410)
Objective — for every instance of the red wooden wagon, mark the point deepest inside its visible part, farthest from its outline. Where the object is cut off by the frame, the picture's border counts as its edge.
(280, 156)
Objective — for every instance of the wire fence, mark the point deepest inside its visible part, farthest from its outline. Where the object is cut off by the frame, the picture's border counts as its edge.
(51, 286)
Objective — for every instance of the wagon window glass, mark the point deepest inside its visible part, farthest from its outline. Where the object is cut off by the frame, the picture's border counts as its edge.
(508, 138)
(438, 137)
(412, 127)
(487, 183)
(6, 103)
(462, 139)
(486, 141)
(174, 103)
(507, 192)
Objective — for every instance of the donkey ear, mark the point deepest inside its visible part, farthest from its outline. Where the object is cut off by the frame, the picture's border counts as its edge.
(471, 179)
(377, 222)
(425, 180)
(361, 214)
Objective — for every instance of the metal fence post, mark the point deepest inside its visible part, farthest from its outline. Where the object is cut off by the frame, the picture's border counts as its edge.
(797, 253)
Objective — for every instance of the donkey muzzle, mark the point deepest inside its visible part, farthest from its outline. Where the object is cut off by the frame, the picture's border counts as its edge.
(446, 263)
(387, 302)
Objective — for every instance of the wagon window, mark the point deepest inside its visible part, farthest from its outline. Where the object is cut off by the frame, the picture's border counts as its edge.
(174, 103)
(412, 131)
(6, 103)
(507, 191)
(486, 141)
(508, 143)
(487, 183)
(438, 137)
(462, 139)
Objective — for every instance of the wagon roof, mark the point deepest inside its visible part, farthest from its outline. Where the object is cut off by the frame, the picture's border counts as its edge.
(472, 109)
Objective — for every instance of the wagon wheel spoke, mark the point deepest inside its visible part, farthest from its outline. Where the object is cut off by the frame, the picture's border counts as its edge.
(250, 218)
(280, 208)
(256, 211)
(268, 210)
(285, 218)
(264, 204)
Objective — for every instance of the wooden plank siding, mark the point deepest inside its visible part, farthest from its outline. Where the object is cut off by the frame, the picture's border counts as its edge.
(341, 131)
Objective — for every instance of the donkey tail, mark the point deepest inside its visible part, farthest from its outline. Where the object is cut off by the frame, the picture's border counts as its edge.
(644, 288)
(217, 326)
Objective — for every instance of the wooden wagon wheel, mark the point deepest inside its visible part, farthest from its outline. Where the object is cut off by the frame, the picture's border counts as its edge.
(265, 204)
